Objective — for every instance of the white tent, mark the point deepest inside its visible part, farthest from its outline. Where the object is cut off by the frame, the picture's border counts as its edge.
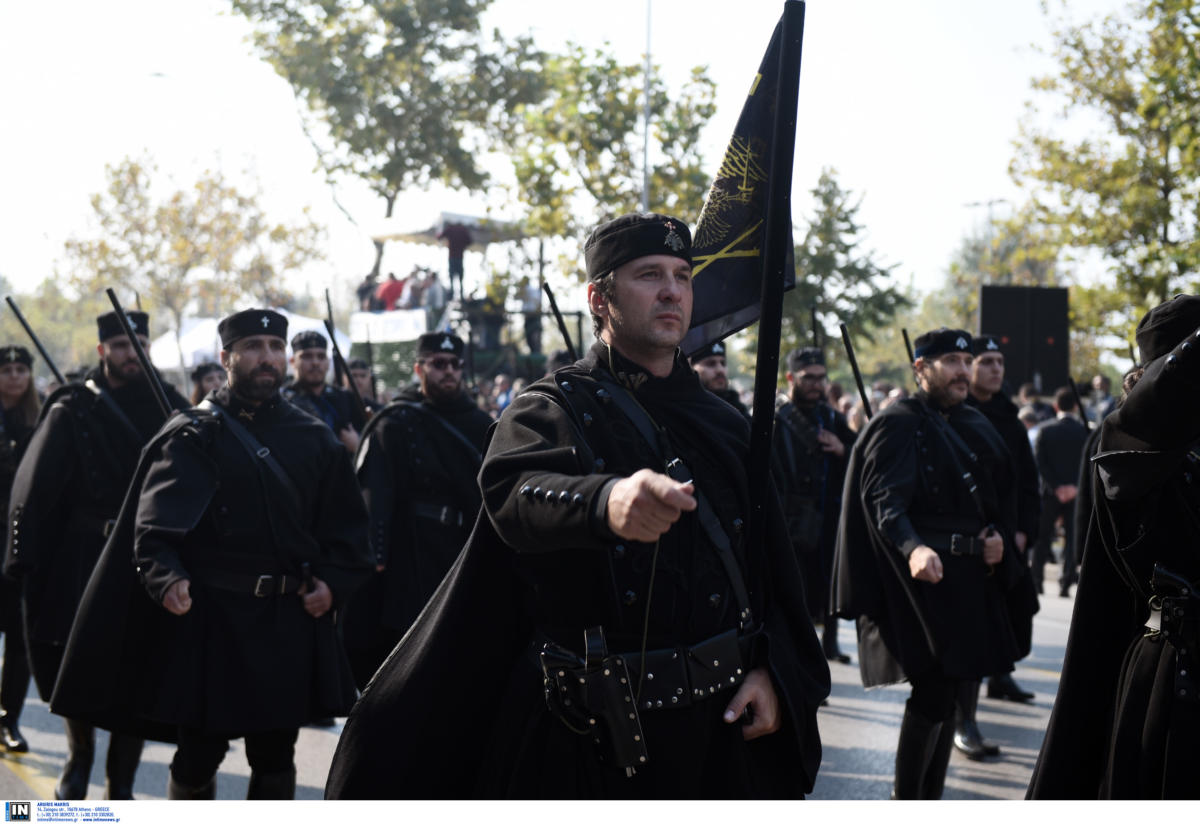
(200, 341)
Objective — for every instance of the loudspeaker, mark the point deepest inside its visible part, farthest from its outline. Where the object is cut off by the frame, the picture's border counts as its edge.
(1031, 322)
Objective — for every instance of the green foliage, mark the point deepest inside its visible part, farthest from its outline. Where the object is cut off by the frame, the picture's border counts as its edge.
(1129, 189)
(577, 152)
(196, 250)
(846, 285)
(398, 93)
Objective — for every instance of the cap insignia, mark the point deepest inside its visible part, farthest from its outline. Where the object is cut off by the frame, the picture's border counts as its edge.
(266, 321)
(961, 343)
(673, 241)
(447, 344)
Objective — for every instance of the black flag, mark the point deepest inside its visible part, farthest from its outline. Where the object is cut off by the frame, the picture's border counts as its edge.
(728, 242)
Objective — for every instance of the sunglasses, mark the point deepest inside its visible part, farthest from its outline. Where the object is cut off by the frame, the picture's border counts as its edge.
(443, 364)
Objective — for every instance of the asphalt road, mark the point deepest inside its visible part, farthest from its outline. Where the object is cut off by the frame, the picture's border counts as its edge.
(858, 729)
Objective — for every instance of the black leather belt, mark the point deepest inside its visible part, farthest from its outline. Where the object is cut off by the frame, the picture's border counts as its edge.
(444, 515)
(681, 676)
(954, 543)
(247, 583)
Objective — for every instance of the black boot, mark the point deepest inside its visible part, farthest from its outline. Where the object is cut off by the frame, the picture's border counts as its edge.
(124, 753)
(81, 748)
(10, 736)
(939, 762)
(967, 738)
(14, 684)
(272, 786)
(914, 750)
(1003, 686)
(829, 641)
(183, 792)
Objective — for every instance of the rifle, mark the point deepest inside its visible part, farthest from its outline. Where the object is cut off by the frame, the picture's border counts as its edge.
(816, 332)
(862, 392)
(156, 387)
(562, 324)
(58, 376)
(339, 366)
(370, 369)
(1087, 425)
(908, 346)
(360, 419)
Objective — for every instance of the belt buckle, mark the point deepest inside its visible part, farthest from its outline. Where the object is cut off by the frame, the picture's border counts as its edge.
(108, 527)
(954, 544)
(450, 517)
(262, 587)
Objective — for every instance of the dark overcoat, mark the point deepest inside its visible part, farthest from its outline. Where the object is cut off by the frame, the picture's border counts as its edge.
(541, 565)
(201, 507)
(1126, 720)
(904, 488)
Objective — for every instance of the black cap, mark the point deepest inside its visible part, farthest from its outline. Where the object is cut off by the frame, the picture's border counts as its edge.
(109, 325)
(310, 339)
(559, 359)
(982, 344)
(435, 343)
(808, 356)
(15, 354)
(204, 369)
(630, 237)
(715, 348)
(1166, 325)
(942, 341)
(357, 363)
(251, 322)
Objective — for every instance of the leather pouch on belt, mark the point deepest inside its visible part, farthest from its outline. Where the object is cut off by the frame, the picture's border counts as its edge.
(594, 696)
(715, 664)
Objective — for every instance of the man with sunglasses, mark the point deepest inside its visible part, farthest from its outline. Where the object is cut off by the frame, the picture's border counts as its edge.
(814, 443)
(417, 465)
(607, 631)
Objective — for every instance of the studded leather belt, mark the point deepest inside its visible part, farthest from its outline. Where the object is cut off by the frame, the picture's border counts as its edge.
(681, 676)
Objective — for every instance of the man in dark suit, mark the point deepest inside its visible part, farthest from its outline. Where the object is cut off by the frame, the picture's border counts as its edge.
(1057, 451)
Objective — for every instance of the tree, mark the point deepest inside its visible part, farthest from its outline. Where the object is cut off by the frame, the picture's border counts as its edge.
(1017, 251)
(834, 274)
(200, 247)
(1129, 189)
(577, 152)
(408, 92)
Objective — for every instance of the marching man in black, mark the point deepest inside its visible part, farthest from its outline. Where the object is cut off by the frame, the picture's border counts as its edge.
(616, 637)
(332, 405)
(813, 442)
(417, 466)
(924, 554)
(248, 532)
(65, 498)
(713, 369)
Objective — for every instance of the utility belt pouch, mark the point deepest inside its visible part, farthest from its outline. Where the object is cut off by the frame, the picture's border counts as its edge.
(1175, 608)
(594, 696)
(715, 664)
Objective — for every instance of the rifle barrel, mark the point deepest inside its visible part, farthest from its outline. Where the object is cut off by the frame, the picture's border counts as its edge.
(58, 376)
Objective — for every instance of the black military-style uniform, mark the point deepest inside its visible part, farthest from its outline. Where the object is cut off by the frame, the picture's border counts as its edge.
(417, 465)
(332, 405)
(731, 397)
(905, 488)
(542, 567)
(812, 490)
(902, 491)
(14, 681)
(1001, 413)
(246, 658)
(1126, 721)
(65, 498)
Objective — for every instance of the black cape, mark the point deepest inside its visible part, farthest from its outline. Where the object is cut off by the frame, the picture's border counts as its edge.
(475, 636)
(1119, 728)
(902, 489)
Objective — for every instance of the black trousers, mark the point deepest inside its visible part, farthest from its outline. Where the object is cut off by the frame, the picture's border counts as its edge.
(200, 753)
(1052, 510)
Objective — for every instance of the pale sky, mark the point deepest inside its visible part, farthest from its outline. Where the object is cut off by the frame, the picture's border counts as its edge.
(914, 104)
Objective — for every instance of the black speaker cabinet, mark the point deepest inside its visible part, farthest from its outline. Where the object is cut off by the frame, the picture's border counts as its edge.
(1031, 322)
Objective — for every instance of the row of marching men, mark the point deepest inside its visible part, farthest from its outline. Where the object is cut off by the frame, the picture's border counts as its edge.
(240, 517)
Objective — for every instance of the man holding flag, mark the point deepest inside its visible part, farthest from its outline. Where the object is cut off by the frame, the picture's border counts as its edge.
(642, 615)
